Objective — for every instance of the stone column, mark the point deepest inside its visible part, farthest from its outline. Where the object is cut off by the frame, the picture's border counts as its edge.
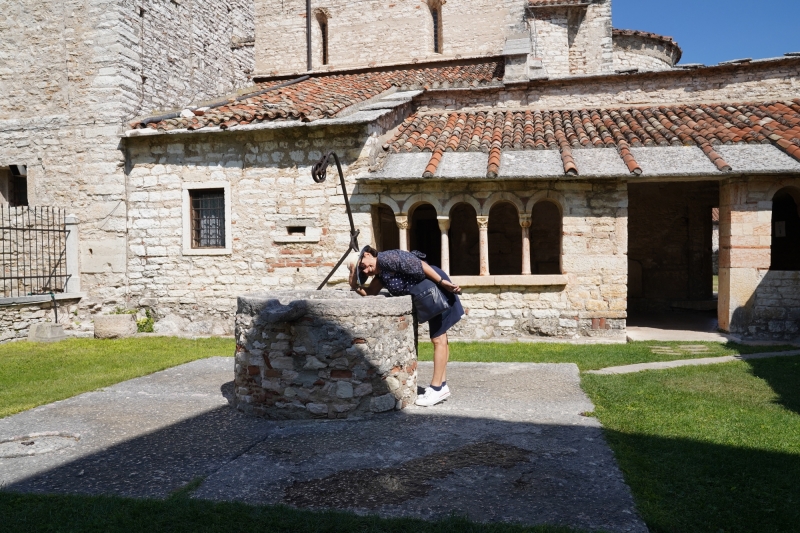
(483, 228)
(525, 222)
(745, 228)
(72, 255)
(444, 227)
(403, 224)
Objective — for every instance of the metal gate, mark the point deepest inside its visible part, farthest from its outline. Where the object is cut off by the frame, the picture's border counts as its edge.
(33, 243)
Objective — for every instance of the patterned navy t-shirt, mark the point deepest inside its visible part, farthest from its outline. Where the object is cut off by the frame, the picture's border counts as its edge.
(400, 271)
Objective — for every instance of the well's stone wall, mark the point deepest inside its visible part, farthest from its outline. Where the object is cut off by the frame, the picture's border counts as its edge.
(324, 354)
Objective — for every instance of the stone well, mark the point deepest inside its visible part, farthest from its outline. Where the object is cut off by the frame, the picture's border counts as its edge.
(324, 354)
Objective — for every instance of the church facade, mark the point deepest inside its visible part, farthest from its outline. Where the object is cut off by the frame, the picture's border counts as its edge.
(563, 172)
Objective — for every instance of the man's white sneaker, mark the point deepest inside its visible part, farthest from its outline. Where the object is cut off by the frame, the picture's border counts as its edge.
(432, 397)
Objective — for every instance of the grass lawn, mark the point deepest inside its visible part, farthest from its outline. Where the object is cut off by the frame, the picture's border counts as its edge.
(708, 449)
(588, 356)
(30, 514)
(34, 374)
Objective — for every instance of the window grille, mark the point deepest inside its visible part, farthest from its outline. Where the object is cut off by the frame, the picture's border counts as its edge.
(208, 218)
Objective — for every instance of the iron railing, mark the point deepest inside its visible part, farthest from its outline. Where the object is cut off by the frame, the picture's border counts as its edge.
(33, 244)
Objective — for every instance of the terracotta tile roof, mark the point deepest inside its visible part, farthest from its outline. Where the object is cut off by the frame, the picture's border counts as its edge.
(325, 96)
(703, 125)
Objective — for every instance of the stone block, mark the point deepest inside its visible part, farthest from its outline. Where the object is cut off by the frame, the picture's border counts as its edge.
(114, 326)
(46, 332)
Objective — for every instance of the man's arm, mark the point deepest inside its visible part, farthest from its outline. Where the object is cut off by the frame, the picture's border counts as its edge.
(432, 275)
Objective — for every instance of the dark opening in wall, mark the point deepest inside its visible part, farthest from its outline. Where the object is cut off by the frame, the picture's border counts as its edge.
(786, 230)
(384, 226)
(14, 186)
(425, 234)
(545, 236)
(322, 19)
(208, 218)
(464, 241)
(505, 240)
(436, 20)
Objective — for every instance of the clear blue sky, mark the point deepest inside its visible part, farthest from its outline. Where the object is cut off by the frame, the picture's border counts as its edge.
(710, 31)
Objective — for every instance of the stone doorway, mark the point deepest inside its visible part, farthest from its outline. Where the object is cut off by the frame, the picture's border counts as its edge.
(670, 252)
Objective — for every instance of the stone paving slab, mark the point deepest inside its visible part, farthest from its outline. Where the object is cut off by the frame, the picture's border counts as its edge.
(509, 445)
(662, 365)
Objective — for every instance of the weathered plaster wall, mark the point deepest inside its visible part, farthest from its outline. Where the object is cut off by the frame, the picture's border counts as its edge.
(373, 32)
(767, 81)
(646, 54)
(754, 301)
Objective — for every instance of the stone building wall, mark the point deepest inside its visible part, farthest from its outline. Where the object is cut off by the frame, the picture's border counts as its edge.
(574, 40)
(268, 172)
(767, 81)
(71, 77)
(271, 189)
(754, 300)
(187, 51)
(646, 54)
(372, 32)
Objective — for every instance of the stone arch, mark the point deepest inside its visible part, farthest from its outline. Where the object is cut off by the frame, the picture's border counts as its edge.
(461, 199)
(464, 236)
(412, 202)
(792, 185)
(384, 227)
(785, 242)
(552, 196)
(546, 234)
(424, 233)
(505, 238)
(500, 197)
(389, 201)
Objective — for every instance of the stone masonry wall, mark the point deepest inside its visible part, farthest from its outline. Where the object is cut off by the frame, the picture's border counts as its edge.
(757, 82)
(324, 354)
(373, 32)
(16, 320)
(646, 54)
(269, 173)
(754, 301)
(70, 77)
(574, 41)
(594, 259)
(188, 51)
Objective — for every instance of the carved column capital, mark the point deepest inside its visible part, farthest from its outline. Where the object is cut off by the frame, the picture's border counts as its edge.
(483, 222)
(444, 223)
(525, 221)
(402, 221)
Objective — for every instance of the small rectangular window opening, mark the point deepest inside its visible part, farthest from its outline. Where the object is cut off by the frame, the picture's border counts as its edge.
(323, 26)
(17, 186)
(299, 231)
(208, 218)
(437, 48)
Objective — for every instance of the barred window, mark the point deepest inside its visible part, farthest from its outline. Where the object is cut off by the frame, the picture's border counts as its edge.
(208, 218)
(436, 18)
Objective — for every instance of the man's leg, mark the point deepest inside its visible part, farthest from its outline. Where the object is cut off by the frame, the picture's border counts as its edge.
(441, 353)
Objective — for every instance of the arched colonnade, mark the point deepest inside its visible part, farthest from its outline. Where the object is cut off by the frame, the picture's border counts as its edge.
(504, 234)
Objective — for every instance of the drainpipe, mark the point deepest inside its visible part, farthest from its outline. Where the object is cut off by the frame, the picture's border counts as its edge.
(308, 34)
